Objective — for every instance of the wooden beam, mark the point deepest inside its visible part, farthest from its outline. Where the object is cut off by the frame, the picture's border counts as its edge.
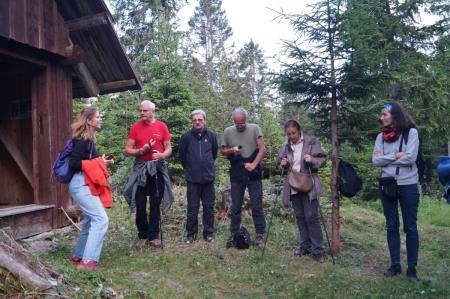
(88, 22)
(116, 84)
(23, 163)
(23, 57)
(87, 80)
(73, 54)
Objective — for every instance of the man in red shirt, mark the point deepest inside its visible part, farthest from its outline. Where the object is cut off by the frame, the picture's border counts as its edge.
(149, 142)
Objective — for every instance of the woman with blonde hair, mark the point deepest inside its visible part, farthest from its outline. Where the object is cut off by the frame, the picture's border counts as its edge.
(95, 220)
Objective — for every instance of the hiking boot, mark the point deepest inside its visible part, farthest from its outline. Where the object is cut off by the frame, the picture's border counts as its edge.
(259, 240)
(411, 274)
(87, 265)
(393, 270)
(155, 243)
(209, 238)
(75, 260)
(141, 243)
(230, 242)
(301, 252)
(319, 258)
(190, 240)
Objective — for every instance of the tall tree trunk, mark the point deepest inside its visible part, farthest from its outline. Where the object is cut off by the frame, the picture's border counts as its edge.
(335, 218)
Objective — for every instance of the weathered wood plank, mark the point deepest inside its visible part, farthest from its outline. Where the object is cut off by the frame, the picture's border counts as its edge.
(10, 211)
(116, 84)
(88, 22)
(4, 18)
(16, 153)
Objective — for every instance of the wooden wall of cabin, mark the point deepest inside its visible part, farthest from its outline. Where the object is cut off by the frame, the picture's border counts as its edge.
(34, 22)
(52, 116)
(16, 127)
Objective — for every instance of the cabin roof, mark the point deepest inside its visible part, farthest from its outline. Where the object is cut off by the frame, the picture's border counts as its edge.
(106, 66)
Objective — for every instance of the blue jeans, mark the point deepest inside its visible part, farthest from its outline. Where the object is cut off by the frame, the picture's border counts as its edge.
(409, 203)
(95, 220)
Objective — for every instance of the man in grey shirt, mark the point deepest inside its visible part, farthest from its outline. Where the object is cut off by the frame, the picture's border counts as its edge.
(243, 145)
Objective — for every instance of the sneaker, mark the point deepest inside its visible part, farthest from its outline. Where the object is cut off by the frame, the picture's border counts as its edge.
(75, 260)
(301, 252)
(141, 243)
(230, 242)
(393, 270)
(190, 240)
(411, 274)
(209, 238)
(319, 258)
(155, 243)
(87, 265)
(259, 240)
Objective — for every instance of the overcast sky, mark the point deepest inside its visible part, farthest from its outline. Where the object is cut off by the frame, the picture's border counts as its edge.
(254, 19)
(257, 20)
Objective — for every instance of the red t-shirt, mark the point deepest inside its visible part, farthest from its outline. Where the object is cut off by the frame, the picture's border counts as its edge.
(141, 133)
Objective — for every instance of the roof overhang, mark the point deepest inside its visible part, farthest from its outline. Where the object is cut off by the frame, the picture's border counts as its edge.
(100, 63)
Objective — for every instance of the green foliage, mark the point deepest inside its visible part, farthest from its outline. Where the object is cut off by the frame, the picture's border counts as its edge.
(208, 270)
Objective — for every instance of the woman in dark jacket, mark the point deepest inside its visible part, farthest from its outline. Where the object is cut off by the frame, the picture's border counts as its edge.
(95, 220)
(303, 153)
(395, 152)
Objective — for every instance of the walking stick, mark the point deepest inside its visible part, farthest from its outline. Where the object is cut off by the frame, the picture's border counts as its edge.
(271, 215)
(321, 215)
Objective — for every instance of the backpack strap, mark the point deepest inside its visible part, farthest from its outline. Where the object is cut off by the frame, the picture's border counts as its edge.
(397, 170)
(91, 148)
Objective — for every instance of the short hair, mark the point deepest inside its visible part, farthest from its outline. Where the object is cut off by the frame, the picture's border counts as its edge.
(239, 110)
(292, 124)
(148, 103)
(198, 111)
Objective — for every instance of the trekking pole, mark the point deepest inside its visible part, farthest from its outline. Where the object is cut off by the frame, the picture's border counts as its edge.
(321, 215)
(271, 215)
(160, 229)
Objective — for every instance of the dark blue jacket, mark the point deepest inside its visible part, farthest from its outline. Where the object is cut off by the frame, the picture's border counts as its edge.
(197, 155)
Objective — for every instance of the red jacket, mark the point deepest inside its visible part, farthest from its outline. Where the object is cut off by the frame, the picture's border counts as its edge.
(96, 177)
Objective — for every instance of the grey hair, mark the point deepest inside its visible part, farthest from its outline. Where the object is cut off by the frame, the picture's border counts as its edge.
(198, 111)
(239, 110)
(149, 104)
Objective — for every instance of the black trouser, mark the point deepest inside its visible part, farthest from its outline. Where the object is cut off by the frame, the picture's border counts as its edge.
(237, 198)
(195, 193)
(308, 222)
(149, 229)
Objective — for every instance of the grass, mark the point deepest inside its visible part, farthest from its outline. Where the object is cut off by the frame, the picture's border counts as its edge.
(208, 270)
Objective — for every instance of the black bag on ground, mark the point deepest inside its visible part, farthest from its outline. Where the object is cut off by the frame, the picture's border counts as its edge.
(388, 186)
(349, 183)
(242, 238)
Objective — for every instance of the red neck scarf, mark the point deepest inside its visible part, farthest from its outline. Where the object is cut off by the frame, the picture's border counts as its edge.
(390, 134)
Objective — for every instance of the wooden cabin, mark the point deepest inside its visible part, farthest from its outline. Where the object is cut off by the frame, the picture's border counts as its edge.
(50, 52)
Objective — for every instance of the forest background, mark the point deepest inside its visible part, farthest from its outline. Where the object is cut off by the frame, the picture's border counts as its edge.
(347, 58)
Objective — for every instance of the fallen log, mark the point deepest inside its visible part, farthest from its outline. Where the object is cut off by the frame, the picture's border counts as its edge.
(23, 272)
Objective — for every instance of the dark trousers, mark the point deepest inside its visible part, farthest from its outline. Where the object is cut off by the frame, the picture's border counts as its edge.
(307, 214)
(409, 203)
(149, 229)
(195, 193)
(237, 198)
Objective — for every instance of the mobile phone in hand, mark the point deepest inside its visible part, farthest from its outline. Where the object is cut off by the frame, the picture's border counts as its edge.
(109, 157)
